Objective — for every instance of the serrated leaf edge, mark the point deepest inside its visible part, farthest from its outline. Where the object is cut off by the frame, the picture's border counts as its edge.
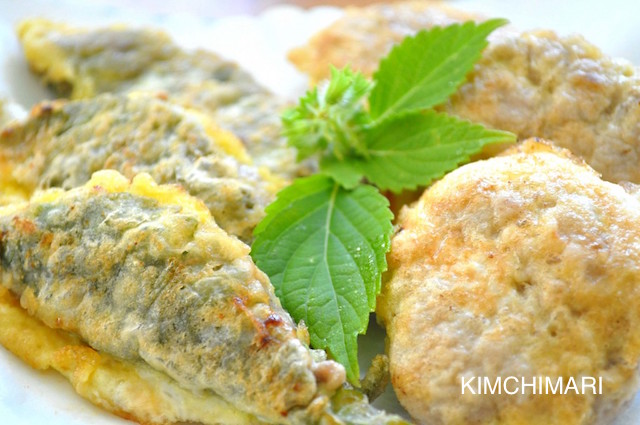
(498, 136)
(486, 26)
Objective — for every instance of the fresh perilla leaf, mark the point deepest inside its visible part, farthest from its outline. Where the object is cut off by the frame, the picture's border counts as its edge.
(346, 173)
(410, 150)
(424, 70)
(324, 248)
(330, 117)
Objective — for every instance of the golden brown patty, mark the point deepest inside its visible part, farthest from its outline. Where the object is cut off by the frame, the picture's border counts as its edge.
(365, 35)
(524, 265)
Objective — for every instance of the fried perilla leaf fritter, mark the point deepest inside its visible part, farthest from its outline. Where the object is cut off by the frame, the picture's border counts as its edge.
(81, 63)
(533, 84)
(524, 265)
(62, 143)
(142, 273)
(131, 389)
(156, 314)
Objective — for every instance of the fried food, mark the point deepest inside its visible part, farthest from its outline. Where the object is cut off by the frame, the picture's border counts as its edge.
(522, 265)
(63, 142)
(132, 390)
(364, 35)
(81, 63)
(534, 84)
(142, 275)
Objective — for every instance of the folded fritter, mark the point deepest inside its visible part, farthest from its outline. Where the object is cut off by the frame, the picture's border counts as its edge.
(130, 389)
(533, 84)
(144, 276)
(63, 143)
(523, 265)
(81, 63)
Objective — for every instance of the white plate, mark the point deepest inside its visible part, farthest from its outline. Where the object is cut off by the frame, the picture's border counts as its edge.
(259, 43)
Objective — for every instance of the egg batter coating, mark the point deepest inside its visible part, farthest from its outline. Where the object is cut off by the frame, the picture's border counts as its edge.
(143, 274)
(63, 143)
(524, 265)
(81, 63)
(130, 389)
(534, 84)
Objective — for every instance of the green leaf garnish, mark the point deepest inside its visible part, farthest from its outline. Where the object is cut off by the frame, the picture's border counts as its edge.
(423, 71)
(324, 249)
(323, 241)
(346, 172)
(331, 116)
(410, 150)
